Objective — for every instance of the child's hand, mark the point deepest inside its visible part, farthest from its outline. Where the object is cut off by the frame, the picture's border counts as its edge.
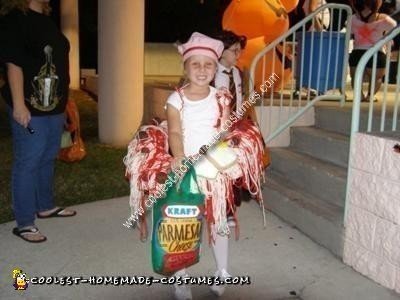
(177, 162)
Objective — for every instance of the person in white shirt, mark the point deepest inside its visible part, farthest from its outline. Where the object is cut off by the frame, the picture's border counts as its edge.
(198, 116)
(368, 26)
(193, 113)
(230, 76)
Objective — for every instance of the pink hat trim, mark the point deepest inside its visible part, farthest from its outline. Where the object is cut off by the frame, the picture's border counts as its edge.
(201, 48)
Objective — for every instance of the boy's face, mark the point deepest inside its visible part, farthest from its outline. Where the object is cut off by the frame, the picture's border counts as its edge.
(200, 69)
(230, 55)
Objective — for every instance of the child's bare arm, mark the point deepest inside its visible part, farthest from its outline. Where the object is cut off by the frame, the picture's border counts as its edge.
(175, 132)
(226, 112)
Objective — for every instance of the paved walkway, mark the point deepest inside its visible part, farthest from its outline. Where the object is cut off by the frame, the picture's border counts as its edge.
(282, 262)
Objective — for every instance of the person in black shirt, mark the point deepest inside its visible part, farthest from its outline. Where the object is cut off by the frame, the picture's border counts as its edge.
(35, 54)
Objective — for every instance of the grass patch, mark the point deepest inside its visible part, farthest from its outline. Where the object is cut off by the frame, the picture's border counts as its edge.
(100, 175)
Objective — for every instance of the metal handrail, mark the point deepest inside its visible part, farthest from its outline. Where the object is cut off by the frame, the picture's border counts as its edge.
(358, 80)
(272, 46)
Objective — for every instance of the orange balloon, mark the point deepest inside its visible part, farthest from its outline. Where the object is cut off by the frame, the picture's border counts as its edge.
(289, 4)
(255, 18)
(274, 71)
(261, 21)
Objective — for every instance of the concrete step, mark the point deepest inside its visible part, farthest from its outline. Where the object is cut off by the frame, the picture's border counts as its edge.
(335, 119)
(322, 144)
(338, 119)
(321, 179)
(320, 220)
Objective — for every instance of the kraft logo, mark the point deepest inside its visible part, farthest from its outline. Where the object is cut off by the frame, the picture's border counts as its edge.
(182, 211)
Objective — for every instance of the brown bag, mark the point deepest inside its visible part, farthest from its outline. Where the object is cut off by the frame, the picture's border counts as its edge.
(266, 157)
(76, 151)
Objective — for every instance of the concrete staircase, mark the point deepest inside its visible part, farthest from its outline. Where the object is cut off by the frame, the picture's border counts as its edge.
(306, 182)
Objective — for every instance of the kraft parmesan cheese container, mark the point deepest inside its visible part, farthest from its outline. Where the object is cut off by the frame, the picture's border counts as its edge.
(177, 226)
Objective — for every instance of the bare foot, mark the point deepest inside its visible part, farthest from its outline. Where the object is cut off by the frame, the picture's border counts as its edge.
(30, 234)
(56, 212)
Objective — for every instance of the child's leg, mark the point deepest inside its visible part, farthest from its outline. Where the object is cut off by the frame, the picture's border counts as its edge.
(352, 73)
(181, 273)
(378, 82)
(378, 79)
(220, 250)
(354, 59)
(182, 291)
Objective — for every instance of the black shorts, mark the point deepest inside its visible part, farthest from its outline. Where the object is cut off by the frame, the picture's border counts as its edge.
(356, 55)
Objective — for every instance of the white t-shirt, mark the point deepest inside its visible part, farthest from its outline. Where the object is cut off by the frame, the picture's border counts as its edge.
(323, 16)
(199, 119)
(367, 35)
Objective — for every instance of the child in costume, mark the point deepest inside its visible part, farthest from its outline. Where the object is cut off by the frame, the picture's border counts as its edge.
(228, 75)
(197, 114)
(368, 27)
(231, 77)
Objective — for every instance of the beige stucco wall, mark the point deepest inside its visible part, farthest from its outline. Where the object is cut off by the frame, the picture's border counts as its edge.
(270, 117)
(162, 59)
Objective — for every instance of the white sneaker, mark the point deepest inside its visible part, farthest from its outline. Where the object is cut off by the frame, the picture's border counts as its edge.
(231, 221)
(182, 291)
(218, 290)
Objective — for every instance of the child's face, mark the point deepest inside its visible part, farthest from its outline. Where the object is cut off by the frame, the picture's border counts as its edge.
(200, 69)
(230, 55)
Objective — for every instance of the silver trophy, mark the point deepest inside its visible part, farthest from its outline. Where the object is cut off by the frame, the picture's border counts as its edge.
(45, 84)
